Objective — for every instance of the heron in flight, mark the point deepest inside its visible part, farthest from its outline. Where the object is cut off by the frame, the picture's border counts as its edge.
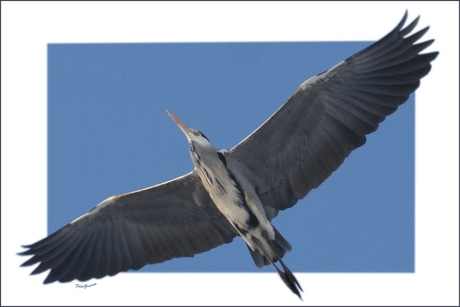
(238, 192)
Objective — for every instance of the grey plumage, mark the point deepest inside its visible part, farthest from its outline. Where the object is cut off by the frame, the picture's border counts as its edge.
(290, 154)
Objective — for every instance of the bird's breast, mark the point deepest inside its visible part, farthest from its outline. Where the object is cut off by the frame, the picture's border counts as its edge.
(229, 197)
(227, 193)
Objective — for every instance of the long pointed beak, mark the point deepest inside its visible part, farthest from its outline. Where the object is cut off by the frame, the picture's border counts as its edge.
(181, 125)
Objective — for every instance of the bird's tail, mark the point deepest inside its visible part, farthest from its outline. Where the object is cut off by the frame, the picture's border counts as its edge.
(289, 278)
(280, 246)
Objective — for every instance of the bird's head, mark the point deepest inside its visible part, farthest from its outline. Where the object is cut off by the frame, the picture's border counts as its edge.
(192, 135)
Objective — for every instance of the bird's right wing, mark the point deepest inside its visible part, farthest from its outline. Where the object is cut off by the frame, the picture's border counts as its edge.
(173, 219)
(309, 137)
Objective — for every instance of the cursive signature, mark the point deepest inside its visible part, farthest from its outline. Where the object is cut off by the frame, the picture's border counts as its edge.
(84, 286)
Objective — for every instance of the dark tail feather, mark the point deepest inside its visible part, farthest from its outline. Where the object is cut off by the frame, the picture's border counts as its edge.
(289, 279)
(280, 245)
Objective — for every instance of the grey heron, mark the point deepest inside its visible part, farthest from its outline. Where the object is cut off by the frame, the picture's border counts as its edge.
(239, 191)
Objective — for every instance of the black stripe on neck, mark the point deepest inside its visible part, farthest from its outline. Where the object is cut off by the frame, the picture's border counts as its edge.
(253, 222)
(222, 158)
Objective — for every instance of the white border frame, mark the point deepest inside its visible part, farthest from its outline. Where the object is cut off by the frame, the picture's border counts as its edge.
(27, 28)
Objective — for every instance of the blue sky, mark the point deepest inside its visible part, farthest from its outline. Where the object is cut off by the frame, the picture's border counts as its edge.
(108, 133)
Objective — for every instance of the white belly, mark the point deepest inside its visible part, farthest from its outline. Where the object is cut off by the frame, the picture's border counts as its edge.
(228, 199)
(226, 196)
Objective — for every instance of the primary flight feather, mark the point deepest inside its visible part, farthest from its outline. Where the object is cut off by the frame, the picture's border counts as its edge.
(237, 192)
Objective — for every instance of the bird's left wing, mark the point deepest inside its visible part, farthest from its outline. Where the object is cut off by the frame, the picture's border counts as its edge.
(173, 219)
(309, 137)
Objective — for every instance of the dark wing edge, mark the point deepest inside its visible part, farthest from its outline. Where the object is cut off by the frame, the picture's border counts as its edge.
(329, 115)
(170, 220)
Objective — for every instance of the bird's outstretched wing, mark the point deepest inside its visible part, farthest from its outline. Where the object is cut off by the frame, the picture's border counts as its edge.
(329, 115)
(173, 219)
